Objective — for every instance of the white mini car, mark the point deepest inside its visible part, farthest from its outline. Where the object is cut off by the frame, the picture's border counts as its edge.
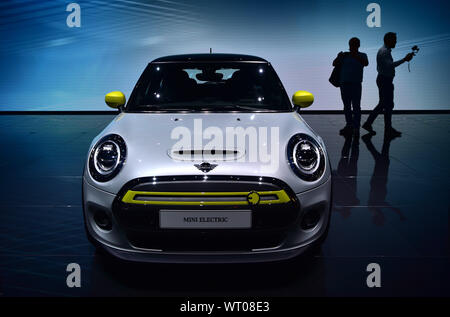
(207, 162)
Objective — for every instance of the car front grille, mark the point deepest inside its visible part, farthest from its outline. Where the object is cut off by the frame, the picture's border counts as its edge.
(136, 209)
(203, 198)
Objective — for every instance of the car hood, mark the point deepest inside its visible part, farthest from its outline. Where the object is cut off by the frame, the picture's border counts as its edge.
(153, 141)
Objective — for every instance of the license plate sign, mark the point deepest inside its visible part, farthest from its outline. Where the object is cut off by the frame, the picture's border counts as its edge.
(213, 219)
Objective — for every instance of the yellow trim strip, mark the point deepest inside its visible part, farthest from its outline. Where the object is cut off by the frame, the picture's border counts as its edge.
(282, 197)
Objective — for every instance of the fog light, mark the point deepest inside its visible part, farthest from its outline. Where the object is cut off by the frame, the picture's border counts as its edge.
(102, 220)
(310, 219)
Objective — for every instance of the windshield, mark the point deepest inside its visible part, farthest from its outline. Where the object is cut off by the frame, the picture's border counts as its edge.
(207, 86)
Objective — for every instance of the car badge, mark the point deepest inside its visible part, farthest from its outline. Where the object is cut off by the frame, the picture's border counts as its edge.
(205, 167)
(253, 198)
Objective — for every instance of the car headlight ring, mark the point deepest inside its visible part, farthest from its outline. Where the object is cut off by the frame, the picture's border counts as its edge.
(107, 157)
(306, 157)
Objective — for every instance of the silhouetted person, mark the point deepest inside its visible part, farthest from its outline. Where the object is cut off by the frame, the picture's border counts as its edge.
(386, 72)
(379, 180)
(351, 76)
(346, 180)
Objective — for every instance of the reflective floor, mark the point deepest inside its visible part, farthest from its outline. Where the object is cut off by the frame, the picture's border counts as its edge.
(391, 207)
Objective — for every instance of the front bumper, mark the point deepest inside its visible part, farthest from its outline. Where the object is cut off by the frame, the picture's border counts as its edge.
(271, 241)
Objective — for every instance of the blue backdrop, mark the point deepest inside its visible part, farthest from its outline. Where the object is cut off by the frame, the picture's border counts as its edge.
(45, 65)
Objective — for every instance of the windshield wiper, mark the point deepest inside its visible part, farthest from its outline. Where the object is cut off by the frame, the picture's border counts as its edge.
(251, 108)
(163, 108)
(212, 108)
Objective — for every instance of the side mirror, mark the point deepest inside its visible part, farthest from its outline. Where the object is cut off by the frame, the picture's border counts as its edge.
(115, 99)
(302, 99)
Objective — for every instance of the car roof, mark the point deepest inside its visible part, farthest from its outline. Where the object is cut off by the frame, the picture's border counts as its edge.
(214, 57)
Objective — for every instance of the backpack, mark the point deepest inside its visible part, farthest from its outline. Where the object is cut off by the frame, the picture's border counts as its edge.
(335, 76)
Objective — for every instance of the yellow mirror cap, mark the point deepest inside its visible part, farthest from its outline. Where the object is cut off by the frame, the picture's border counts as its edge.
(115, 99)
(303, 98)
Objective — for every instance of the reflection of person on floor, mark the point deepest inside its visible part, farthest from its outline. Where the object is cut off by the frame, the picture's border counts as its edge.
(351, 76)
(378, 182)
(348, 169)
(386, 72)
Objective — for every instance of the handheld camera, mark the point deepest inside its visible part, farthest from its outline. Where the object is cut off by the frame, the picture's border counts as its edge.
(415, 50)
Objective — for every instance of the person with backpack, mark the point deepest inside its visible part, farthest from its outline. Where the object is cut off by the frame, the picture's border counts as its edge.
(350, 77)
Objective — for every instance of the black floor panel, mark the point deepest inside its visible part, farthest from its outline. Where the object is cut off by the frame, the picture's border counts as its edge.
(391, 207)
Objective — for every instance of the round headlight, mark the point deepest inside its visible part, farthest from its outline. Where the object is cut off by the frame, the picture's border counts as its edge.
(306, 157)
(107, 157)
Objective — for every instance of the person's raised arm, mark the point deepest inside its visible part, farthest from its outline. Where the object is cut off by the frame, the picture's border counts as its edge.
(360, 57)
(407, 58)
